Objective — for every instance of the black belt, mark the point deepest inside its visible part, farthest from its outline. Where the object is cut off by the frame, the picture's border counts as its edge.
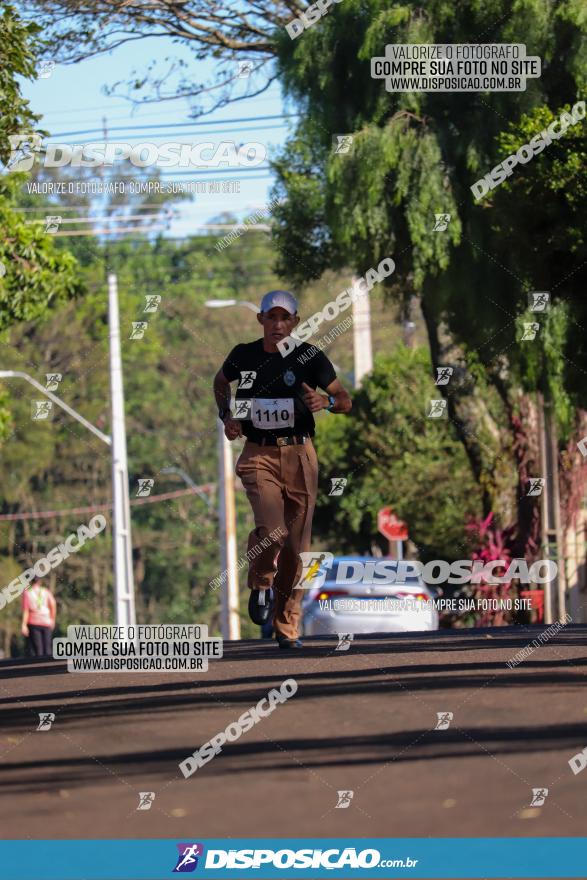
(282, 441)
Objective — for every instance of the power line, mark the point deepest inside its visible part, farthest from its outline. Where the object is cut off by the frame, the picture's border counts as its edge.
(124, 105)
(177, 124)
(262, 227)
(144, 207)
(121, 218)
(155, 136)
(185, 238)
(115, 231)
(245, 169)
(45, 514)
(249, 176)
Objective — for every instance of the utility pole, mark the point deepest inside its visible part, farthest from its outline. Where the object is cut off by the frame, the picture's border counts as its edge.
(230, 623)
(124, 596)
(551, 526)
(362, 347)
(230, 620)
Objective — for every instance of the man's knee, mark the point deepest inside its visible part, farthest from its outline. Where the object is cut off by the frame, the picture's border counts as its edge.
(271, 537)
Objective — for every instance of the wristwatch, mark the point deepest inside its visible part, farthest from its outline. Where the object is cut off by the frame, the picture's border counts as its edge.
(222, 413)
(331, 402)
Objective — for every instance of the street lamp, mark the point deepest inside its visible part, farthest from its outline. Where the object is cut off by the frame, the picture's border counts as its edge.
(229, 619)
(17, 374)
(124, 598)
(362, 347)
(124, 588)
(222, 303)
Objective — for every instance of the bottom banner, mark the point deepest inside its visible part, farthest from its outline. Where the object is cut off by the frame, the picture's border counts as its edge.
(412, 857)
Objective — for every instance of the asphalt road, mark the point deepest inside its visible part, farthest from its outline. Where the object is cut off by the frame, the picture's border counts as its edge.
(362, 720)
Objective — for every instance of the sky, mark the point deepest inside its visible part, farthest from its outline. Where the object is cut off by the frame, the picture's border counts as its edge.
(72, 99)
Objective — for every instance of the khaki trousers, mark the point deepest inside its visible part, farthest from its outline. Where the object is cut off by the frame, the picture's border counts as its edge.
(281, 484)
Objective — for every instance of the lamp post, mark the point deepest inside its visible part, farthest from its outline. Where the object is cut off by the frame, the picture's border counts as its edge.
(223, 303)
(230, 620)
(124, 591)
(124, 598)
(362, 347)
(18, 374)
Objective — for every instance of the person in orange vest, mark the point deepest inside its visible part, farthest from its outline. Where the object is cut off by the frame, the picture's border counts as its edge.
(39, 610)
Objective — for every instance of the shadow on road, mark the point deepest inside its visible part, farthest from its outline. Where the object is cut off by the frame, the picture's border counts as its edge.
(347, 673)
(246, 757)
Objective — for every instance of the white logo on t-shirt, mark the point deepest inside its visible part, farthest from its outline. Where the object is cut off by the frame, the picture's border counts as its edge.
(247, 378)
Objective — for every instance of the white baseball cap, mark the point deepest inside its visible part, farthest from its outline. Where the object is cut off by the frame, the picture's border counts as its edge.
(279, 299)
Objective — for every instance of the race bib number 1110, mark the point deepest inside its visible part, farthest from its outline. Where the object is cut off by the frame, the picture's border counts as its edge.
(267, 413)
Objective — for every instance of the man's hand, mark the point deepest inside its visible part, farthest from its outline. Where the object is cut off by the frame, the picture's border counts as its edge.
(314, 401)
(232, 428)
(24, 629)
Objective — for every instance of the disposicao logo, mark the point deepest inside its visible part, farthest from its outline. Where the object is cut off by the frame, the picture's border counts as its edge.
(314, 567)
(187, 859)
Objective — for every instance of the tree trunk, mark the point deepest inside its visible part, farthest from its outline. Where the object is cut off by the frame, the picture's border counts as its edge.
(488, 444)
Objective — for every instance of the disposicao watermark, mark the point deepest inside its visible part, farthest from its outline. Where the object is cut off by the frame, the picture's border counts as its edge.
(527, 151)
(320, 344)
(242, 227)
(235, 730)
(308, 17)
(330, 859)
(137, 648)
(24, 148)
(455, 67)
(315, 566)
(54, 557)
(544, 637)
(254, 551)
(361, 287)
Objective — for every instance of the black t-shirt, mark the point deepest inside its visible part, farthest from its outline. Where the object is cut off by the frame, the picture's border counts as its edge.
(273, 386)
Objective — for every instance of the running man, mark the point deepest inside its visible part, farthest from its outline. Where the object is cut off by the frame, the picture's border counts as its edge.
(274, 405)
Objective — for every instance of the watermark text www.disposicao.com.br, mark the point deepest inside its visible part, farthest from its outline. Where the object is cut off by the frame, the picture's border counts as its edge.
(329, 859)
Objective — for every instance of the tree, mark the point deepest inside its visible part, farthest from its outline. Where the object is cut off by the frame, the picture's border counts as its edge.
(56, 465)
(35, 274)
(77, 30)
(415, 155)
(391, 454)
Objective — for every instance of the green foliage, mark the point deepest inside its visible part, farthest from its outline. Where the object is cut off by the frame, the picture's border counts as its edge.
(35, 273)
(546, 201)
(543, 361)
(390, 166)
(301, 233)
(393, 455)
(170, 416)
(19, 45)
(415, 155)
